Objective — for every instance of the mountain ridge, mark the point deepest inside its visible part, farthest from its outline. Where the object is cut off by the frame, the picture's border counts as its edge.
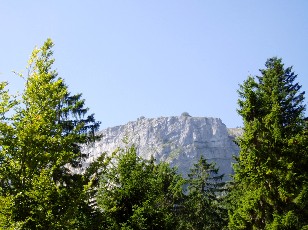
(178, 140)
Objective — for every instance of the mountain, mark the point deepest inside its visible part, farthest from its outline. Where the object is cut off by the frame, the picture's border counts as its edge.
(179, 140)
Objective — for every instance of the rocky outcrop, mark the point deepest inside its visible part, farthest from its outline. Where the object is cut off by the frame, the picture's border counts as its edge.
(177, 140)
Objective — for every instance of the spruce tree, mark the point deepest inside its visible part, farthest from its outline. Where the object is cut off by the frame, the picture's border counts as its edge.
(271, 171)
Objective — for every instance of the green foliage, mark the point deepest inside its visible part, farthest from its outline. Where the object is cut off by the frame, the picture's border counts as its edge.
(271, 170)
(203, 207)
(41, 134)
(38, 144)
(137, 194)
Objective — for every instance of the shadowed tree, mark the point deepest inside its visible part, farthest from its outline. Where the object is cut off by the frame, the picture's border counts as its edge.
(203, 205)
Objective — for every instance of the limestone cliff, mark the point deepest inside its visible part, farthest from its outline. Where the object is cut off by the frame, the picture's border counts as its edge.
(178, 140)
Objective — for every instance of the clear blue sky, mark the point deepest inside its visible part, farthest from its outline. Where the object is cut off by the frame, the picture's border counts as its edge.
(156, 58)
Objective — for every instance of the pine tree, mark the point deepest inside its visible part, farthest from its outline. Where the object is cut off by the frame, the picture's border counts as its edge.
(40, 144)
(270, 174)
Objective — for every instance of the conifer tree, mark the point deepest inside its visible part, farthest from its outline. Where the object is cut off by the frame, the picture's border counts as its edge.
(39, 144)
(271, 171)
(203, 204)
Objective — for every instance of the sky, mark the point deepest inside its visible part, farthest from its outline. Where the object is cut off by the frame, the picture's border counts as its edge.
(156, 58)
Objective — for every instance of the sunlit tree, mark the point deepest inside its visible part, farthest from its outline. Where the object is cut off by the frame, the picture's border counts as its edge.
(40, 144)
(271, 171)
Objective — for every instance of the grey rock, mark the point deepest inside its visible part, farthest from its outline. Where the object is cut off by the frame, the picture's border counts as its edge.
(179, 141)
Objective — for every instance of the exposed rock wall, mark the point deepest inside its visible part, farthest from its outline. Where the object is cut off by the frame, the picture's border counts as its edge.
(178, 140)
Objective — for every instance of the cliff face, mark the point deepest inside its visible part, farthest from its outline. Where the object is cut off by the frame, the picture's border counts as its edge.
(178, 140)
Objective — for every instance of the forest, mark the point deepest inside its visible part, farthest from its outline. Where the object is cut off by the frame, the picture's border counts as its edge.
(43, 128)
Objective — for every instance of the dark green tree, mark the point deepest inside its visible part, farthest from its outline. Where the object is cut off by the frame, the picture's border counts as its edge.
(203, 207)
(138, 194)
(40, 145)
(271, 171)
